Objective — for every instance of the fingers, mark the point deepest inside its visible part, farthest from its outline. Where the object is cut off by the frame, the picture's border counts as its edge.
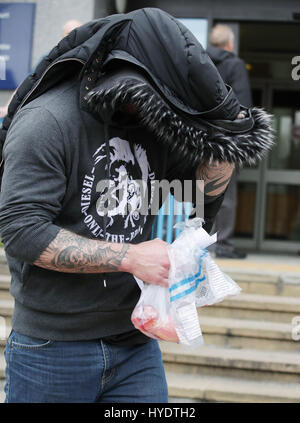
(161, 280)
(153, 264)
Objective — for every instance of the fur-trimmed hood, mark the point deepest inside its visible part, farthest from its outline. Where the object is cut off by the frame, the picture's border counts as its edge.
(182, 99)
(194, 138)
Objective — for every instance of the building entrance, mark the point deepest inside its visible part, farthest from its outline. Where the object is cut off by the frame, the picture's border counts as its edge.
(268, 215)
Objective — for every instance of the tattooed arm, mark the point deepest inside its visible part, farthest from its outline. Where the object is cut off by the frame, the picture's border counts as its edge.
(216, 177)
(73, 253)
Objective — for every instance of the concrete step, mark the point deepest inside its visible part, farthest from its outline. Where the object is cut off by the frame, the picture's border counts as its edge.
(4, 270)
(224, 389)
(264, 277)
(2, 378)
(264, 366)
(6, 307)
(2, 367)
(5, 295)
(2, 395)
(4, 282)
(4, 287)
(249, 334)
(255, 307)
(6, 311)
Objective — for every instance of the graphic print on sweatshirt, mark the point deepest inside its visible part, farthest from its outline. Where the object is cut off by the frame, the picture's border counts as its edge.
(126, 196)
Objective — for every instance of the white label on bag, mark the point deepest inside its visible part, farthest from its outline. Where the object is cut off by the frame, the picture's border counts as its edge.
(221, 286)
(188, 317)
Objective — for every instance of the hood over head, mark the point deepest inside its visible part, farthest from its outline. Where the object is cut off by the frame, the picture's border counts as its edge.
(195, 138)
(148, 58)
(162, 69)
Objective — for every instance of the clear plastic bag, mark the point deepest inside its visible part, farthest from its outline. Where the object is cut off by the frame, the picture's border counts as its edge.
(152, 314)
(195, 280)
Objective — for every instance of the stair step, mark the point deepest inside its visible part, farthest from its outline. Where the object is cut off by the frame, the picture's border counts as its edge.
(2, 394)
(255, 307)
(4, 270)
(232, 362)
(238, 333)
(2, 366)
(6, 311)
(6, 307)
(5, 295)
(225, 389)
(264, 277)
(5, 282)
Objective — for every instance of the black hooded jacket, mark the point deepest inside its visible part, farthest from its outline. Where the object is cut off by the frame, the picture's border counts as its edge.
(56, 154)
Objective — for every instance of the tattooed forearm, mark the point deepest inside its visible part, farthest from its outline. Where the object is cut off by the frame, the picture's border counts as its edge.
(72, 253)
(216, 177)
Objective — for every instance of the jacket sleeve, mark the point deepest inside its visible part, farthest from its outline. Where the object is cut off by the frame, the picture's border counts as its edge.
(211, 208)
(239, 81)
(33, 184)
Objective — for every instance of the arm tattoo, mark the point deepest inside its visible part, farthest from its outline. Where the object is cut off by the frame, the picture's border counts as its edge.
(73, 253)
(216, 177)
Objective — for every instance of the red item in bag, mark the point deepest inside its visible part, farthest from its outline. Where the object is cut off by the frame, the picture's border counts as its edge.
(147, 320)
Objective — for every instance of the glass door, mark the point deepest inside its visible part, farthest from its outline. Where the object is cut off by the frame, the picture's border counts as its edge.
(268, 214)
(281, 229)
(250, 191)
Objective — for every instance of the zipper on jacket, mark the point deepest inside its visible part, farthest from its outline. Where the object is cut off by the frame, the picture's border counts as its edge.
(35, 87)
(42, 77)
(106, 136)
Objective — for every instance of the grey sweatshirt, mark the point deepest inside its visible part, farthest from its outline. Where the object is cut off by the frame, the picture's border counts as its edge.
(55, 157)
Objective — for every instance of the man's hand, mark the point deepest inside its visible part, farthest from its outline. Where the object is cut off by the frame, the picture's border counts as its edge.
(72, 253)
(149, 261)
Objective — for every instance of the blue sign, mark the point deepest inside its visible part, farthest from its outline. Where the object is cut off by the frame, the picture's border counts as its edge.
(16, 29)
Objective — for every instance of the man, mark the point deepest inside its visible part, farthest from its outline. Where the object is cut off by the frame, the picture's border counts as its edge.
(234, 73)
(108, 107)
(69, 26)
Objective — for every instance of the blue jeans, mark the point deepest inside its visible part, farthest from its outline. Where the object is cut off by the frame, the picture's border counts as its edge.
(40, 371)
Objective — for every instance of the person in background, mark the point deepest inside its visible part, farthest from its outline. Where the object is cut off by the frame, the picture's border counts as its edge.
(69, 26)
(234, 73)
(66, 29)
